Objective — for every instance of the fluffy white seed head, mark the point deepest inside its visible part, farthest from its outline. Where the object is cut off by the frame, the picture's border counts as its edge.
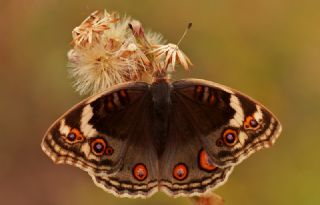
(155, 38)
(106, 52)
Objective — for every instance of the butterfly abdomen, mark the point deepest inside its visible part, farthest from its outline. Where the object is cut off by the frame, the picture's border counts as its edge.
(161, 100)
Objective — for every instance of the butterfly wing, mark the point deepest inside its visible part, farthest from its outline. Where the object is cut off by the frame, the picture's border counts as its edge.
(230, 125)
(185, 167)
(211, 128)
(138, 177)
(103, 136)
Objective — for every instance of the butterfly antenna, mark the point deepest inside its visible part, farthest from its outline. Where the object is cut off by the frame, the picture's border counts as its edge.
(185, 33)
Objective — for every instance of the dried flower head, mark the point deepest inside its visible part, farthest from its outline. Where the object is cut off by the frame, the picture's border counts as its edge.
(130, 50)
(118, 32)
(95, 68)
(108, 50)
(155, 38)
(92, 27)
(171, 54)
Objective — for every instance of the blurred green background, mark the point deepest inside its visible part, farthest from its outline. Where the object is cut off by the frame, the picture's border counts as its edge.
(267, 49)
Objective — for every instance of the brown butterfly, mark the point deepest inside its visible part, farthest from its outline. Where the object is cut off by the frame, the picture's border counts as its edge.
(183, 138)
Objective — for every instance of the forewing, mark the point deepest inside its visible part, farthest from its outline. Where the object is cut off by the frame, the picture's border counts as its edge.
(95, 134)
(229, 124)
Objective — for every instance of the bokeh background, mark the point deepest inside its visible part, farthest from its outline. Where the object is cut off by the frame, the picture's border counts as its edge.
(267, 49)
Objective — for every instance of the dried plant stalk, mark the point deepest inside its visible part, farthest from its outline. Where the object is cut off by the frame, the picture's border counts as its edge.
(210, 199)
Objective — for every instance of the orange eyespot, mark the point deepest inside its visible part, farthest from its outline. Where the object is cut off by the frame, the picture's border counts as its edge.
(230, 137)
(180, 172)
(251, 123)
(140, 172)
(74, 136)
(109, 151)
(98, 146)
(204, 161)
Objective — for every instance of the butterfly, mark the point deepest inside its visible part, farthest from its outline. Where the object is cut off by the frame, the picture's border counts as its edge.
(182, 137)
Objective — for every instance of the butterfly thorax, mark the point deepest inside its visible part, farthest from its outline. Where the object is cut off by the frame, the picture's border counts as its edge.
(161, 91)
